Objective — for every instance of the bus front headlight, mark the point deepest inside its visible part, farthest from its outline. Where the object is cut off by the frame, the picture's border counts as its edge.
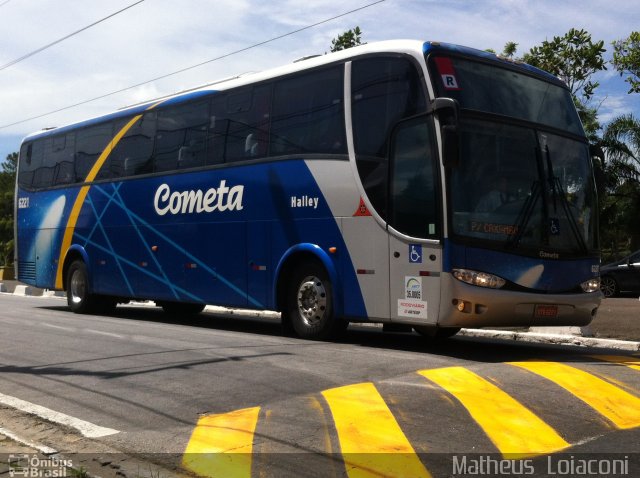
(591, 285)
(481, 279)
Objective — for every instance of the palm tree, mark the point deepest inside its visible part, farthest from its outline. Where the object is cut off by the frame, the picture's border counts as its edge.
(621, 143)
(619, 211)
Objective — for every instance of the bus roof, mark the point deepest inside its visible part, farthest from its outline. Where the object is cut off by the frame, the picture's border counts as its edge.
(413, 47)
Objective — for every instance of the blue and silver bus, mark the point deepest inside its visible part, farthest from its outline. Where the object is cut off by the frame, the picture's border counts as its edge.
(425, 185)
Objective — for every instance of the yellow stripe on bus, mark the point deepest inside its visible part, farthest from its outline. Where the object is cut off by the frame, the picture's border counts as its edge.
(84, 190)
(620, 407)
(221, 445)
(631, 362)
(513, 428)
(371, 441)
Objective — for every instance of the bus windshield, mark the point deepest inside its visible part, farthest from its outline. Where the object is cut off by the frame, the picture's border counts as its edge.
(523, 186)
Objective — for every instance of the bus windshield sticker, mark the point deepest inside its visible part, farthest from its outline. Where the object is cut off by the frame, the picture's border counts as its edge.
(447, 73)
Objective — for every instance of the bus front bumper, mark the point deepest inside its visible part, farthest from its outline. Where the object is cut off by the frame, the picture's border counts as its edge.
(464, 305)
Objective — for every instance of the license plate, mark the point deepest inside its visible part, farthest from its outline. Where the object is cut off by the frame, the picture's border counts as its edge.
(546, 311)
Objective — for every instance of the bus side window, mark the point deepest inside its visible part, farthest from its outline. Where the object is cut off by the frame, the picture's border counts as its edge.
(245, 123)
(308, 114)
(181, 136)
(31, 157)
(90, 143)
(384, 90)
(414, 201)
(134, 153)
(217, 129)
(61, 156)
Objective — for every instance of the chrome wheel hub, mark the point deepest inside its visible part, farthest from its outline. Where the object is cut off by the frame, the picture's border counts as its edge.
(608, 287)
(312, 301)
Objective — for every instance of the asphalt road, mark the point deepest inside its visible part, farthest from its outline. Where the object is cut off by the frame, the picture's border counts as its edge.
(618, 318)
(388, 404)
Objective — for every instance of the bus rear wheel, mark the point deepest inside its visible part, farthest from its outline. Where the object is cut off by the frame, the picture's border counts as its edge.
(309, 304)
(79, 299)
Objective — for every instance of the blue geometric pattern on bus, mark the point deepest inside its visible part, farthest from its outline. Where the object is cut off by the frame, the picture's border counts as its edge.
(103, 243)
(224, 257)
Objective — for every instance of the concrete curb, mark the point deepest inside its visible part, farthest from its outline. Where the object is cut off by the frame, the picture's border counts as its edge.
(45, 450)
(552, 339)
(23, 290)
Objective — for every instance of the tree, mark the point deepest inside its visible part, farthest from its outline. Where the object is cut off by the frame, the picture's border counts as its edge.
(626, 60)
(7, 185)
(621, 143)
(509, 50)
(574, 58)
(348, 39)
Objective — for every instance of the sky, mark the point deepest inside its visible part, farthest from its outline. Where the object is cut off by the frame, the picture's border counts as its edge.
(157, 37)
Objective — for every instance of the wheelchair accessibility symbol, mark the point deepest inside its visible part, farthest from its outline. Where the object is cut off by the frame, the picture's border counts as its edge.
(415, 253)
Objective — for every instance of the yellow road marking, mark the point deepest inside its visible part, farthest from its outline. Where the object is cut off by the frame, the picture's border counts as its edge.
(620, 407)
(221, 445)
(631, 362)
(513, 428)
(371, 440)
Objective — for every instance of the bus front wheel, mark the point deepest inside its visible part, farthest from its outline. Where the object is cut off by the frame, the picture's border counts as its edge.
(309, 306)
(79, 298)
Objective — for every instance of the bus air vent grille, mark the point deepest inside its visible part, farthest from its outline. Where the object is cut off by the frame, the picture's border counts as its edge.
(27, 270)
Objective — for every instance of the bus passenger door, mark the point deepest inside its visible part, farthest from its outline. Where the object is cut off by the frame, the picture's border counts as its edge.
(414, 224)
(414, 286)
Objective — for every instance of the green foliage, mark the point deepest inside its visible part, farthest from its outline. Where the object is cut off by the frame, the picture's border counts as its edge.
(589, 118)
(348, 39)
(510, 49)
(619, 210)
(626, 60)
(7, 187)
(621, 141)
(574, 58)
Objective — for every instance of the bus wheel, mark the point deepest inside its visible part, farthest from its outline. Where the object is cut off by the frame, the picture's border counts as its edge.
(309, 306)
(434, 332)
(79, 299)
(181, 308)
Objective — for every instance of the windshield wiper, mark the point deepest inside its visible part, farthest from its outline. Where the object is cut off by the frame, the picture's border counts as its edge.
(525, 215)
(557, 191)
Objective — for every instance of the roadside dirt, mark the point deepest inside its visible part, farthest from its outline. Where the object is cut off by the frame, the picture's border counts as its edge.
(85, 457)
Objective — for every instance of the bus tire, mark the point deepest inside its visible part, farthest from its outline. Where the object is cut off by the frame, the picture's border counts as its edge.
(433, 332)
(185, 309)
(79, 298)
(309, 306)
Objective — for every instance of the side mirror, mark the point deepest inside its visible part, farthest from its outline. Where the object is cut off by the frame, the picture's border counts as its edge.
(447, 110)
